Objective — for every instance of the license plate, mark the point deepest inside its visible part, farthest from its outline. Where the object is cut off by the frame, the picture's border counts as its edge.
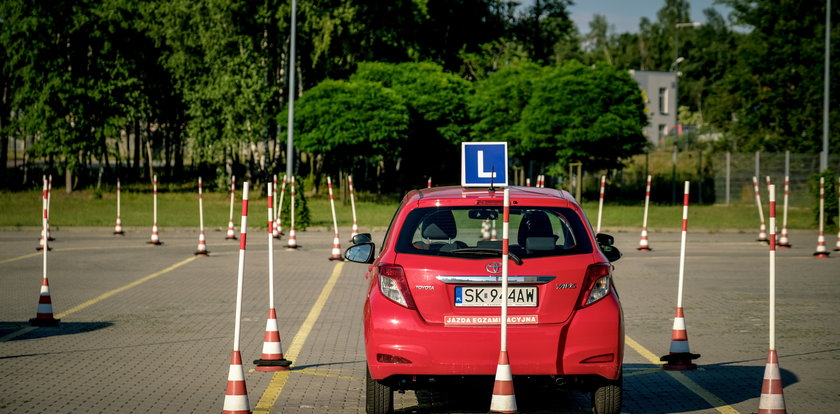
(476, 296)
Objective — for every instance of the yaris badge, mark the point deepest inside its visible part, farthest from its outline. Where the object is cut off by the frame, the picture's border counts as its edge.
(494, 267)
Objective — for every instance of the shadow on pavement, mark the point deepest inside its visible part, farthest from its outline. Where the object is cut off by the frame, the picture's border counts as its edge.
(64, 328)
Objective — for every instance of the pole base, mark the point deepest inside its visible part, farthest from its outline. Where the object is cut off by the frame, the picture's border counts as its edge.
(39, 248)
(763, 241)
(44, 322)
(679, 361)
(202, 253)
(272, 365)
(337, 258)
(156, 243)
(119, 233)
(644, 249)
(230, 237)
(784, 246)
(821, 255)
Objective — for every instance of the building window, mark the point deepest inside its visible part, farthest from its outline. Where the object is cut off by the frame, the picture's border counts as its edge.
(663, 101)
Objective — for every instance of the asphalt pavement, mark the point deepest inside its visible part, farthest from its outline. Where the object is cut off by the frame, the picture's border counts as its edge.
(150, 329)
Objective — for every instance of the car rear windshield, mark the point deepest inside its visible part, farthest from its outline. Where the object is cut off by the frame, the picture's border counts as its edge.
(475, 232)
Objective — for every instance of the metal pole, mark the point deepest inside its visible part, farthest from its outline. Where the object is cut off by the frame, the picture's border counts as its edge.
(290, 138)
(824, 153)
(728, 174)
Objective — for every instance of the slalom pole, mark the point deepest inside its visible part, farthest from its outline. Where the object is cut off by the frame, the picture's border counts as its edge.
(601, 203)
(762, 230)
(44, 316)
(279, 211)
(42, 241)
(49, 202)
(335, 253)
(155, 240)
(504, 398)
(837, 245)
(202, 241)
(679, 356)
(236, 394)
(272, 354)
(821, 252)
(772, 399)
(275, 232)
(118, 229)
(231, 231)
(355, 229)
(644, 246)
(429, 183)
(292, 243)
(783, 241)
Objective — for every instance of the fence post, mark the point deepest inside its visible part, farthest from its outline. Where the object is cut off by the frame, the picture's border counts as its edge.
(728, 174)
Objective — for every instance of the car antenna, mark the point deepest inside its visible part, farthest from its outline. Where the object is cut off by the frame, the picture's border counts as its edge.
(492, 176)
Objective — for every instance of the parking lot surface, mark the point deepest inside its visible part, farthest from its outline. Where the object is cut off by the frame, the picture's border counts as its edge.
(149, 329)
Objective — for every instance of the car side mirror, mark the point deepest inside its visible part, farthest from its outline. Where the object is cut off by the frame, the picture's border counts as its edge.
(360, 253)
(361, 238)
(605, 242)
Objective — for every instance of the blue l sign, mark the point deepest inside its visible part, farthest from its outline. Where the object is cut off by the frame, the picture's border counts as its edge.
(484, 163)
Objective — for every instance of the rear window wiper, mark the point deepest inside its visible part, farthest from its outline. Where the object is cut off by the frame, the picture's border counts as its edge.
(486, 252)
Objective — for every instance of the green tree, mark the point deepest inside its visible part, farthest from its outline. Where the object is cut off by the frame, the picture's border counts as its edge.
(590, 114)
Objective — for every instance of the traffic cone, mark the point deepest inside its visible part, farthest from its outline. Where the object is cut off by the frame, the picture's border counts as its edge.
(485, 230)
(772, 400)
(504, 399)
(493, 234)
(679, 357)
(335, 253)
(272, 354)
(231, 230)
(41, 243)
(644, 246)
(784, 241)
(822, 252)
(155, 239)
(202, 245)
(837, 245)
(236, 393)
(44, 317)
(762, 234)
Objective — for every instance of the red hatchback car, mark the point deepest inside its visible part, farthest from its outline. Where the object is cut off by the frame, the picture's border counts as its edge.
(433, 305)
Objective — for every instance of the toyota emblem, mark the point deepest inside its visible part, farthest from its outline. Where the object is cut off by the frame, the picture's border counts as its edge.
(494, 267)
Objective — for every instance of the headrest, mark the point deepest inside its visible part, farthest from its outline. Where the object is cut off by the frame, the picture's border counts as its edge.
(534, 224)
(439, 225)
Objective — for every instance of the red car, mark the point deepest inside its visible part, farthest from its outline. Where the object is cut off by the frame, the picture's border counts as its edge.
(433, 305)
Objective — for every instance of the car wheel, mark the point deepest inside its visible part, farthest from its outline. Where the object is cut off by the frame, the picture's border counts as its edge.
(606, 397)
(379, 398)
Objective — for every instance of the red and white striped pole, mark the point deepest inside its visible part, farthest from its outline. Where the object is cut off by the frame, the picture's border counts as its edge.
(822, 252)
(528, 182)
(504, 398)
(43, 238)
(644, 246)
(784, 241)
(272, 354)
(772, 400)
(601, 203)
(44, 316)
(279, 211)
(355, 229)
(335, 253)
(679, 356)
(837, 245)
(236, 393)
(118, 229)
(429, 183)
(231, 231)
(49, 203)
(762, 229)
(275, 232)
(202, 241)
(155, 240)
(292, 243)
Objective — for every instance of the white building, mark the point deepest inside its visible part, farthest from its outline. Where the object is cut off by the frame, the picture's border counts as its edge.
(660, 92)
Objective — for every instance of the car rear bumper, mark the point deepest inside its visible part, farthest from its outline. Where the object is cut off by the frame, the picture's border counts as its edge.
(590, 343)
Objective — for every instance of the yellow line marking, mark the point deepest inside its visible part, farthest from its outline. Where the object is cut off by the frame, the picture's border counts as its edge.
(107, 295)
(26, 256)
(692, 386)
(278, 381)
(319, 374)
(102, 297)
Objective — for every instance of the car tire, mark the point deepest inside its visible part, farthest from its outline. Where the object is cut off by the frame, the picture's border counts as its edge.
(379, 398)
(607, 398)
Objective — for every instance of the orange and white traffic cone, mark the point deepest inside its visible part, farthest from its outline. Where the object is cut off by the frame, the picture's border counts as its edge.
(485, 230)
(236, 392)
(231, 230)
(504, 398)
(292, 242)
(272, 352)
(202, 245)
(837, 245)
(44, 317)
(679, 356)
(644, 245)
(772, 400)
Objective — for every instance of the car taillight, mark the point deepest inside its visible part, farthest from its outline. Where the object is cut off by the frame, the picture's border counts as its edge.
(596, 284)
(394, 286)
